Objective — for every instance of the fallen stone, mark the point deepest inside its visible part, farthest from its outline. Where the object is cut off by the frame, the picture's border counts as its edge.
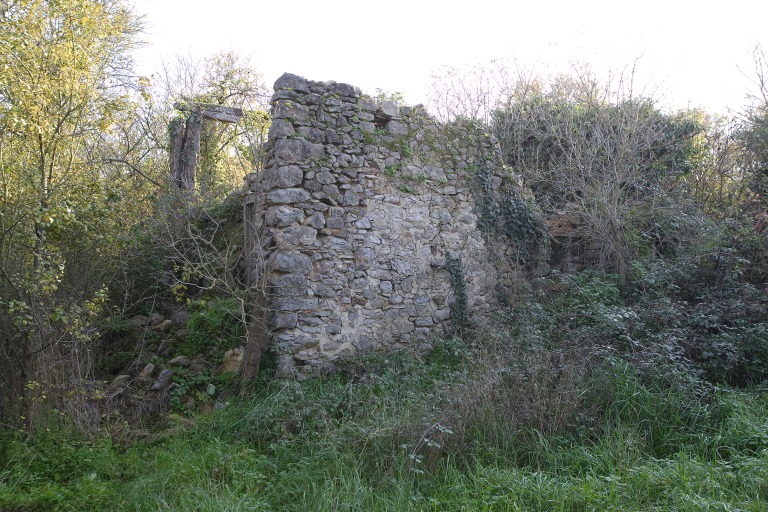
(164, 349)
(147, 372)
(181, 317)
(179, 361)
(163, 326)
(163, 380)
(117, 385)
(232, 360)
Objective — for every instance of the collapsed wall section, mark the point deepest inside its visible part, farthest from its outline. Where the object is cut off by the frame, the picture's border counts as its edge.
(363, 226)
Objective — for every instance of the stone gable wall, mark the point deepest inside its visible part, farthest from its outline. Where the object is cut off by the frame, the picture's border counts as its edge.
(364, 224)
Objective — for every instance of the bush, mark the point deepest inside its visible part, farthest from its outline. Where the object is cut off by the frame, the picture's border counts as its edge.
(216, 325)
(705, 313)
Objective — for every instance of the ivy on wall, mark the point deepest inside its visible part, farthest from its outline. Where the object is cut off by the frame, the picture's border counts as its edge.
(459, 305)
(508, 213)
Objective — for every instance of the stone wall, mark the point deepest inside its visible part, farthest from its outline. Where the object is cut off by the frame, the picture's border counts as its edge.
(364, 225)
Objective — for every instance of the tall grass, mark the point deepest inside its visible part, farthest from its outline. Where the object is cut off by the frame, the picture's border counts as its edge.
(525, 415)
(459, 431)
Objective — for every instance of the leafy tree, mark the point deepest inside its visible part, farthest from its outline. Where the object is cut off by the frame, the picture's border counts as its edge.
(594, 153)
(753, 135)
(65, 68)
(717, 182)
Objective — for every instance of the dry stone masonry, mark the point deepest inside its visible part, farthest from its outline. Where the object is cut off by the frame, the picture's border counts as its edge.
(364, 225)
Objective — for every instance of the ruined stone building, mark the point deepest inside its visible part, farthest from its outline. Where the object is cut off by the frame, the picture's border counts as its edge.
(371, 224)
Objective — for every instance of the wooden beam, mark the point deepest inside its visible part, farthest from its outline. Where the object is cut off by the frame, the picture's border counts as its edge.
(212, 112)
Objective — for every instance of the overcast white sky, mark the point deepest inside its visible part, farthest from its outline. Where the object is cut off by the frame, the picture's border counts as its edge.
(698, 52)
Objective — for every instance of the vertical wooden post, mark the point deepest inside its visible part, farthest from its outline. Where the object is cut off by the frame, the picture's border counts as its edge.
(185, 138)
(257, 329)
(185, 150)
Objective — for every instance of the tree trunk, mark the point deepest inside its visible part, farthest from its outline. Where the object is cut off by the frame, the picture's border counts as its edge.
(185, 150)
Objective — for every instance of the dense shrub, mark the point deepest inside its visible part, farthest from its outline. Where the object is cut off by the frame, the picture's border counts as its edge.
(707, 310)
(216, 325)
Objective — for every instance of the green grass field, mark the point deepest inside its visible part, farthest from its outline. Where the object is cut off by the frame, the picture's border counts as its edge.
(481, 427)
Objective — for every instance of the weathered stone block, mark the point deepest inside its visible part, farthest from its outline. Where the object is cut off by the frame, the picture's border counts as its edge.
(297, 236)
(306, 342)
(282, 177)
(283, 320)
(339, 246)
(281, 129)
(291, 262)
(289, 284)
(325, 291)
(401, 266)
(295, 303)
(333, 330)
(285, 94)
(424, 321)
(282, 216)
(313, 99)
(316, 220)
(402, 326)
(351, 198)
(434, 173)
(363, 223)
(313, 135)
(422, 332)
(396, 128)
(406, 285)
(288, 195)
(297, 151)
(291, 81)
(335, 218)
(326, 178)
(333, 192)
(331, 137)
(389, 109)
(347, 90)
(290, 110)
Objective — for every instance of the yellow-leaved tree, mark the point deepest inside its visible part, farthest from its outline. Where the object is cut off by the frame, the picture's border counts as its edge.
(64, 79)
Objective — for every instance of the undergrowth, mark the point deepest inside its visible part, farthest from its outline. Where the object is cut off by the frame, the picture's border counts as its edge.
(564, 403)
(463, 429)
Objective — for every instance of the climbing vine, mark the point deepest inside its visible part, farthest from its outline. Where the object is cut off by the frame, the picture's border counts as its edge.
(509, 213)
(459, 306)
